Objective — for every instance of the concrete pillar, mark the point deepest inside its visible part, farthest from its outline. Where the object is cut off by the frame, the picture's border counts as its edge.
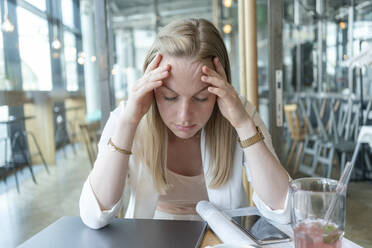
(90, 64)
(104, 50)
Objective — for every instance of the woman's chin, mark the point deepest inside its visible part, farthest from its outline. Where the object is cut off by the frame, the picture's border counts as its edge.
(183, 134)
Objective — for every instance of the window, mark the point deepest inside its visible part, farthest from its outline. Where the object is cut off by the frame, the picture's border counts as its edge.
(70, 61)
(4, 83)
(67, 13)
(34, 51)
(38, 3)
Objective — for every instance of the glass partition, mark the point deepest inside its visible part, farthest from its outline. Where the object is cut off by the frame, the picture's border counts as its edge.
(321, 32)
(34, 51)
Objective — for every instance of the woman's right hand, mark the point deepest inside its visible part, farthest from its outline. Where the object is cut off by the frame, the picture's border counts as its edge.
(142, 93)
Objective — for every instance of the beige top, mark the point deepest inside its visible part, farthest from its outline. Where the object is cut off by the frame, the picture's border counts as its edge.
(184, 193)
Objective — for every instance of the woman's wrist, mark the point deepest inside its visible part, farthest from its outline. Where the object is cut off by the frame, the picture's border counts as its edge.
(127, 121)
(124, 133)
(246, 129)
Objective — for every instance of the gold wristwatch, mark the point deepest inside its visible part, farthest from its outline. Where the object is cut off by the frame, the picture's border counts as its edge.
(252, 140)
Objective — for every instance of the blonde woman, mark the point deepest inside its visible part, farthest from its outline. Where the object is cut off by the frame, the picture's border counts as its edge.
(182, 137)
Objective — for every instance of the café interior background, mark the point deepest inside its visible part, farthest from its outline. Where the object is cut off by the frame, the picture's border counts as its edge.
(64, 64)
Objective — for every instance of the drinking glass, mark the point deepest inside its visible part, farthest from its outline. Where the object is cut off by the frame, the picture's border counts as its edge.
(310, 200)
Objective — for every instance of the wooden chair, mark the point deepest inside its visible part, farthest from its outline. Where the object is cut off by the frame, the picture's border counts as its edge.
(332, 135)
(90, 133)
(297, 134)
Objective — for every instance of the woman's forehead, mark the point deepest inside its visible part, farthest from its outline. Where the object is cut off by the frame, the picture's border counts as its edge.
(183, 63)
(185, 72)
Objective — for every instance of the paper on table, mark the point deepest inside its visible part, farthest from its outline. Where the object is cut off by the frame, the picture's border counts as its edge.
(221, 224)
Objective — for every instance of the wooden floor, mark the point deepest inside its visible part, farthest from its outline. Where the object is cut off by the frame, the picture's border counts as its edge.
(57, 194)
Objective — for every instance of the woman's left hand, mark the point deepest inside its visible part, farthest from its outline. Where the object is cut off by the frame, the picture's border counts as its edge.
(228, 100)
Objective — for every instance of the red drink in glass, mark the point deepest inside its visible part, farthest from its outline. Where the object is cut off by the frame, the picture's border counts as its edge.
(317, 234)
(311, 201)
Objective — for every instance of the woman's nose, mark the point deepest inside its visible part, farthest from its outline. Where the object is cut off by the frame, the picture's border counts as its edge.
(185, 111)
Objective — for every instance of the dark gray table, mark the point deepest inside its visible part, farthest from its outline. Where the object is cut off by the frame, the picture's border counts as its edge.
(71, 232)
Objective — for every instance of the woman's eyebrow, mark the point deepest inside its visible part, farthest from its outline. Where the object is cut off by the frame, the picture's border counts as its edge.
(203, 89)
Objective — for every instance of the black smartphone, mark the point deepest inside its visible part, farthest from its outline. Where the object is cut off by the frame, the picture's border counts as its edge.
(260, 230)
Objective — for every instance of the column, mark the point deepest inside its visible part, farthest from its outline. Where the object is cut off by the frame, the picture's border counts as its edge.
(90, 64)
(248, 50)
(103, 49)
(275, 15)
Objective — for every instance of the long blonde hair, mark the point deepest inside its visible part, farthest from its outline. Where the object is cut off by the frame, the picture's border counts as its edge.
(197, 39)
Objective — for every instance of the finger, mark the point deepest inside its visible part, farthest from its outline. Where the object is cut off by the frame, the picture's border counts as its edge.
(159, 69)
(219, 68)
(217, 91)
(209, 72)
(149, 87)
(157, 74)
(215, 81)
(154, 63)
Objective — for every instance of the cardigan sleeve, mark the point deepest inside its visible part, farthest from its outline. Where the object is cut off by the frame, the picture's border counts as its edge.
(90, 211)
(279, 215)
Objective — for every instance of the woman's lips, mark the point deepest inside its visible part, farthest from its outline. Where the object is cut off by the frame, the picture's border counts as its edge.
(185, 128)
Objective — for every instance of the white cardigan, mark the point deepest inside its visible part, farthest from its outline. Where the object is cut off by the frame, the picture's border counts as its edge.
(144, 198)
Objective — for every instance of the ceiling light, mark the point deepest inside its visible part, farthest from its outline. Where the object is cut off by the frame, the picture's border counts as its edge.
(342, 25)
(7, 25)
(81, 61)
(56, 44)
(227, 3)
(227, 28)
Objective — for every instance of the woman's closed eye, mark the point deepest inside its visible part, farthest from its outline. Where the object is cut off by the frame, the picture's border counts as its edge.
(201, 99)
(170, 98)
(174, 98)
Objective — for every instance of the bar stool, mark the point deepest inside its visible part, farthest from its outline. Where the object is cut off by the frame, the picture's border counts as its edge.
(18, 143)
(6, 165)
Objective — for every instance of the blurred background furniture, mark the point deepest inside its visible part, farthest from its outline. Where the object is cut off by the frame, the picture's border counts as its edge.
(91, 134)
(66, 130)
(331, 125)
(297, 134)
(20, 155)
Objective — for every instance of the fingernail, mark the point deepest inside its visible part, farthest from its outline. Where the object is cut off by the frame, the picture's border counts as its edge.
(204, 78)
